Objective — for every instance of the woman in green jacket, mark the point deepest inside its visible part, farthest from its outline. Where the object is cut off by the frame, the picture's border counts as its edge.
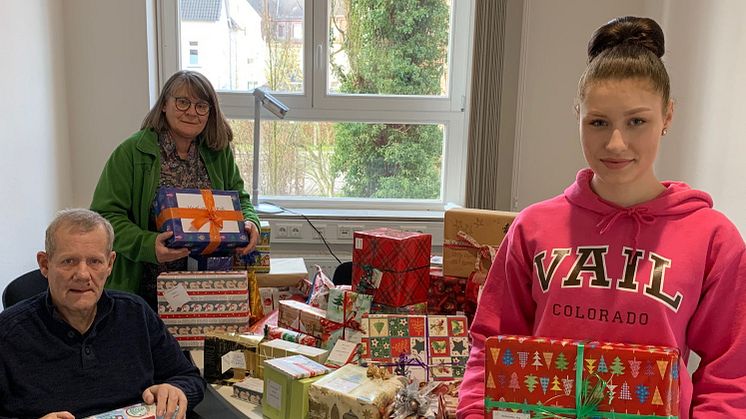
(183, 142)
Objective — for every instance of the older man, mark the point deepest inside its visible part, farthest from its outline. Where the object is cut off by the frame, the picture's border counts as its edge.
(77, 349)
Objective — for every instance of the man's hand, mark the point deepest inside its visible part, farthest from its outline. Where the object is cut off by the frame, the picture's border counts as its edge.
(59, 415)
(253, 233)
(171, 402)
(166, 254)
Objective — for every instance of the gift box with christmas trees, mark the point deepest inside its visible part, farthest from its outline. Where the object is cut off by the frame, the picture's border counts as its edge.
(547, 377)
(424, 348)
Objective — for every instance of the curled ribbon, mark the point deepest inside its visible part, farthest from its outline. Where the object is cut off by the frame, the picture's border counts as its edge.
(484, 251)
(201, 216)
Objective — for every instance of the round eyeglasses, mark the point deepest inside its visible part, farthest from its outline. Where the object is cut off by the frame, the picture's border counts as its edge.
(183, 104)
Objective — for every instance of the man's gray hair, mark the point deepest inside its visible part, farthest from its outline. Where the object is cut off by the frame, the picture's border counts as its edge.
(79, 220)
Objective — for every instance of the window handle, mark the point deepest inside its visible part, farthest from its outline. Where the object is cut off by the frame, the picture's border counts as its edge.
(319, 52)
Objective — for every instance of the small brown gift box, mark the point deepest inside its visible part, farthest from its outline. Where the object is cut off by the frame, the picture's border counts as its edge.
(471, 238)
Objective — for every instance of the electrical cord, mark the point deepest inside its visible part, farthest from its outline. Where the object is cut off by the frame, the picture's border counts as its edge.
(323, 239)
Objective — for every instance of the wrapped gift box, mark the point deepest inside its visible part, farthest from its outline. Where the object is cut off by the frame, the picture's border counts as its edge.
(418, 308)
(274, 332)
(391, 265)
(447, 295)
(286, 385)
(231, 357)
(470, 239)
(258, 260)
(347, 307)
(202, 220)
(545, 375)
(136, 411)
(284, 272)
(429, 348)
(210, 263)
(279, 348)
(191, 304)
(301, 317)
(349, 393)
(249, 390)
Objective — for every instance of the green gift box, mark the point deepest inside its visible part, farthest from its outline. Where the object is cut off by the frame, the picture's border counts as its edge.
(286, 384)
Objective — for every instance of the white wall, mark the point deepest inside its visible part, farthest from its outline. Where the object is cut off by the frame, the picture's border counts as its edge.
(553, 56)
(106, 52)
(706, 60)
(35, 162)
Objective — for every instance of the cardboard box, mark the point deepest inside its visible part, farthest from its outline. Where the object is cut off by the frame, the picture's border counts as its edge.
(231, 357)
(192, 304)
(349, 391)
(534, 374)
(392, 265)
(190, 213)
(286, 384)
(471, 237)
(283, 272)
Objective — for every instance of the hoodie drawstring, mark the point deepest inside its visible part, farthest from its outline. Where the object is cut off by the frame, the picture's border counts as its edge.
(641, 215)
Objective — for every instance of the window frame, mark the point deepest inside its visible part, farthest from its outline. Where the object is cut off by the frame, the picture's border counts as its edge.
(314, 103)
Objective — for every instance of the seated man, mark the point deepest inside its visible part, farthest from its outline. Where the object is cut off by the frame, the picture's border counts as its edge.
(77, 349)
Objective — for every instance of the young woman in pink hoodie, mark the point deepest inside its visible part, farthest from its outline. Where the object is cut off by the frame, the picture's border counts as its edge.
(621, 256)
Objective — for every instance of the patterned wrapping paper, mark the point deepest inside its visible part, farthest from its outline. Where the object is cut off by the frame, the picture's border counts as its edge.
(447, 295)
(349, 393)
(301, 317)
(259, 259)
(204, 221)
(631, 381)
(210, 263)
(418, 308)
(432, 348)
(218, 345)
(214, 301)
(278, 348)
(391, 265)
(470, 237)
(249, 390)
(136, 411)
(275, 332)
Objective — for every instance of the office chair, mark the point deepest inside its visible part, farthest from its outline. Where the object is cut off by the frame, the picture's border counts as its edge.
(343, 274)
(23, 287)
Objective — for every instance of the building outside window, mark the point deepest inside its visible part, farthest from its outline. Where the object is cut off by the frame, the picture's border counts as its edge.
(376, 94)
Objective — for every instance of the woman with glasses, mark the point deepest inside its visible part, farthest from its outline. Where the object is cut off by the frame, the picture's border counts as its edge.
(183, 143)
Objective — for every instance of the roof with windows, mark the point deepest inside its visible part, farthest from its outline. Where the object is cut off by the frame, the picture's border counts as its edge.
(200, 10)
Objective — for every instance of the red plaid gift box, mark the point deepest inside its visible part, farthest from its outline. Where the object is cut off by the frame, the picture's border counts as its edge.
(426, 347)
(553, 377)
(392, 265)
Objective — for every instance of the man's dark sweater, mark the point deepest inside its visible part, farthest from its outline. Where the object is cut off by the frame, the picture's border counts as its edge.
(47, 366)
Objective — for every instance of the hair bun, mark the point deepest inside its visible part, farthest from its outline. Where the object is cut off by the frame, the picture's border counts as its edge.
(628, 30)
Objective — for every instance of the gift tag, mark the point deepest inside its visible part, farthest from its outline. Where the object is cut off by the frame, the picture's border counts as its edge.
(342, 353)
(376, 278)
(233, 359)
(274, 394)
(177, 296)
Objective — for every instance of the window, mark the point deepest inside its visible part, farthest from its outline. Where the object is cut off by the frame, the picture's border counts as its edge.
(376, 94)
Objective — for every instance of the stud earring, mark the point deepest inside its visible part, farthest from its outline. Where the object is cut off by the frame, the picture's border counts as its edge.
(665, 131)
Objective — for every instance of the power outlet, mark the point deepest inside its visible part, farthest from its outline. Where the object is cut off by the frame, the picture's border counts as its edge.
(344, 231)
(289, 231)
(281, 230)
(321, 229)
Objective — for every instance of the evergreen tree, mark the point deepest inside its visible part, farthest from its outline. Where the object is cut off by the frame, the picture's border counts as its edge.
(508, 357)
(514, 382)
(617, 367)
(537, 360)
(395, 47)
(602, 365)
(556, 384)
(561, 362)
(531, 381)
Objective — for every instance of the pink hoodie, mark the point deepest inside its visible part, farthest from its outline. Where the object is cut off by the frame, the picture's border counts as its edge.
(669, 272)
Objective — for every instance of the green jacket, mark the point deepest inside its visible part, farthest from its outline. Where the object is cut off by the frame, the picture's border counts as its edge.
(125, 194)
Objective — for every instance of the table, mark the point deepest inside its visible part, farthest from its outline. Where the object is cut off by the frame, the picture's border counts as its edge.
(219, 402)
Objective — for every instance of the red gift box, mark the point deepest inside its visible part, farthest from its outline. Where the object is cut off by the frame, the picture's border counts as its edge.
(448, 295)
(392, 265)
(541, 376)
